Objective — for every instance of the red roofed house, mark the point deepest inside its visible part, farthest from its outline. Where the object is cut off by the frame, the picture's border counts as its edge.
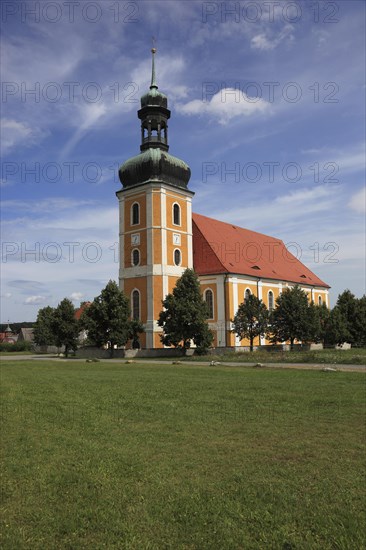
(160, 238)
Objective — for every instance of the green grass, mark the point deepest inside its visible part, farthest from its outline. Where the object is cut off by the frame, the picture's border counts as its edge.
(109, 455)
(346, 357)
(7, 353)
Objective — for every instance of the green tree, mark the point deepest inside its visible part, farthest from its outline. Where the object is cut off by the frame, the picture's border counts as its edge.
(106, 319)
(43, 331)
(136, 328)
(336, 330)
(360, 322)
(323, 315)
(251, 319)
(65, 327)
(184, 316)
(348, 307)
(290, 319)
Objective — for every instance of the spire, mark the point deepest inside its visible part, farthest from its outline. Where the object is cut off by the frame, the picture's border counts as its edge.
(153, 78)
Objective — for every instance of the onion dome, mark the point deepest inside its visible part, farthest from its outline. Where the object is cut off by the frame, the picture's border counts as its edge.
(157, 165)
(154, 162)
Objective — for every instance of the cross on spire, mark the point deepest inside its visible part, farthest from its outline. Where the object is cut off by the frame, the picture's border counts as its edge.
(153, 51)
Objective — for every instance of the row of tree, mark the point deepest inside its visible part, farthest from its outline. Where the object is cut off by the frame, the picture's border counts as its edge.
(105, 321)
(183, 320)
(295, 318)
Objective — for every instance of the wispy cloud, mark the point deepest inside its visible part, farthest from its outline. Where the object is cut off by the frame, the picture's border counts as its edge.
(226, 105)
(357, 202)
(34, 300)
(269, 40)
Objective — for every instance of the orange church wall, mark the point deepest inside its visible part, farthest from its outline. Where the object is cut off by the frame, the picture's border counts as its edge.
(138, 283)
(211, 286)
(157, 341)
(265, 290)
(170, 200)
(128, 249)
(141, 199)
(171, 283)
(241, 291)
(156, 204)
(157, 248)
(171, 247)
(158, 295)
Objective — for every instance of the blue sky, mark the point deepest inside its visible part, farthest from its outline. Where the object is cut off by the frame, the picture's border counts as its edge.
(267, 102)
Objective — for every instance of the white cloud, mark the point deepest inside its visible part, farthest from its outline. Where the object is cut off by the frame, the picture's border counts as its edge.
(13, 133)
(358, 201)
(227, 104)
(34, 300)
(264, 41)
(76, 296)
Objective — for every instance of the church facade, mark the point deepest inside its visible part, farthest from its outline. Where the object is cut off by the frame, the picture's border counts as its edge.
(160, 237)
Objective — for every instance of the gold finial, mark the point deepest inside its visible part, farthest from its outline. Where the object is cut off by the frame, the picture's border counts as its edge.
(153, 49)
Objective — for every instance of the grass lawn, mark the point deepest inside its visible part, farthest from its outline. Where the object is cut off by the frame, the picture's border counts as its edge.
(7, 353)
(345, 357)
(109, 455)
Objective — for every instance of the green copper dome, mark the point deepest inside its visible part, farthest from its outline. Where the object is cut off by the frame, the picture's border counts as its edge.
(154, 98)
(154, 165)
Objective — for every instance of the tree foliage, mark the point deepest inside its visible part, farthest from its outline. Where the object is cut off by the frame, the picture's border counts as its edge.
(251, 319)
(336, 331)
(65, 327)
(291, 320)
(43, 329)
(185, 314)
(107, 318)
(135, 329)
(353, 311)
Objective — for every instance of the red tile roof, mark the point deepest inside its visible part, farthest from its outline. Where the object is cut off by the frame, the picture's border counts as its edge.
(79, 311)
(220, 247)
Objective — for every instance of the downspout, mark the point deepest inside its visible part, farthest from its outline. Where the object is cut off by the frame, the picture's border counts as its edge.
(225, 331)
(258, 279)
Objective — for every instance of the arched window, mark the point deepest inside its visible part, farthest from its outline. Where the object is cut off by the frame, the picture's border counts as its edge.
(208, 296)
(135, 214)
(135, 304)
(177, 256)
(270, 300)
(176, 214)
(135, 257)
(320, 301)
(247, 293)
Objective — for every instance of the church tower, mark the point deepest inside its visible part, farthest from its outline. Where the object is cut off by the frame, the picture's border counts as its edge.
(155, 217)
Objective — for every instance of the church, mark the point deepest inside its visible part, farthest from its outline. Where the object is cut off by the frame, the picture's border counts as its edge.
(160, 237)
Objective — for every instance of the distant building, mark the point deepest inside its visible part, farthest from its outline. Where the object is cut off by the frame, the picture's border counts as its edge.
(8, 336)
(160, 238)
(26, 335)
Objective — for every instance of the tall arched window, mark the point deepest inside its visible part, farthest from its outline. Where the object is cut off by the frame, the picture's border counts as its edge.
(135, 214)
(270, 300)
(320, 300)
(176, 214)
(247, 294)
(135, 304)
(208, 296)
(135, 257)
(177, 256)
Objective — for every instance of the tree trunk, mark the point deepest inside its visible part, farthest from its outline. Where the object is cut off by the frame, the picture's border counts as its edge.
(292, 344)
(66, 351)
(251, 343)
